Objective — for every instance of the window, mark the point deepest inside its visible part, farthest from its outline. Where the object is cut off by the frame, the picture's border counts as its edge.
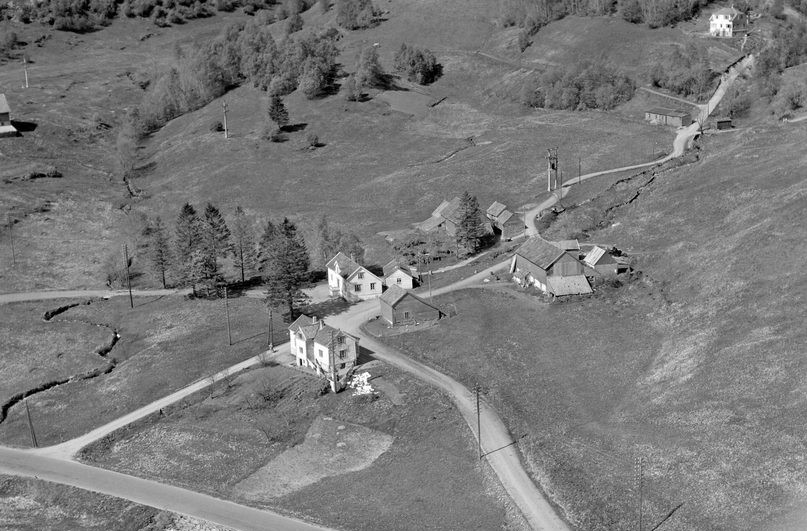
(361, 276)
(340, 340)
(300, 349)
(357, 287)
(372, 285)
(398, 280)
(342, 366)
(342, 354)
(321, 353)
(406, 315)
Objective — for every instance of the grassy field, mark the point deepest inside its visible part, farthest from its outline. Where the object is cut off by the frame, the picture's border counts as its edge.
(696, 364)
(268, 437)
(35, 352)
(35, 505)
(165, 343)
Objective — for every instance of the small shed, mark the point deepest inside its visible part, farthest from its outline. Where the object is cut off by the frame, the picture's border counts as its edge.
(723, 123)
(570, 246)
(504, 222)
(396, 274)
(6, 129)
(601, 261)
(399, 306)
(665, 116)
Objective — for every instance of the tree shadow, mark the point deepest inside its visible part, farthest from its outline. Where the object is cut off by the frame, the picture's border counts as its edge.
(293, 128)
(24, 127)
(365, 355)
(323, 309)
(388, 82)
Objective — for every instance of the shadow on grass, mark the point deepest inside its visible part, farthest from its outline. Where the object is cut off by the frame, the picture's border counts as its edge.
(155, 299)
(325, 308)
(23, 127)
(365, 355)
(293, 128)
(245, 339)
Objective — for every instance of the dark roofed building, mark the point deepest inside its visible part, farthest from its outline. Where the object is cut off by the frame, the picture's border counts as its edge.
(399, 275)
(507, 224)
(537, 261)
(6, 129)
(666, 116)
(399, 306)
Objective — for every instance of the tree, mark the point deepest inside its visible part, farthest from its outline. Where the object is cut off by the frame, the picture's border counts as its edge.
(419, 65)
(159, 251)
(188, 238)
(470, 230)
(294, 24)
(368, 67)
(286, 267)
(277, 111)
(313, 78)
(203, 270)
(243, 247)
(215, 232)
(354, 14)
(265, 244)
(330, 241)
(353, 86)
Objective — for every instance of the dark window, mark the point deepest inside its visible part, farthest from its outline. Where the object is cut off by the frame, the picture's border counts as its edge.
(406, 315)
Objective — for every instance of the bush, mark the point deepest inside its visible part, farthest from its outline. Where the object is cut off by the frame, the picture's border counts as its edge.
(419, 65)
(684, 71)
(312, 140)
(355, 14)
(584, 86)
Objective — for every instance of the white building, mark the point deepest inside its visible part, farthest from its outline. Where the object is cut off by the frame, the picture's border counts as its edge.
(349, 280)
(724, 22)
(330, 352)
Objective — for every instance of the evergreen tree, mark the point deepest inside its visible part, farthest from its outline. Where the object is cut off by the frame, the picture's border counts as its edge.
(277, 111)
(188, 239)
(265, 243)
(471, 229)
(368, 67)
(286, 267)
(215, 232)
(158, 248)
(243, 247)
(203, 270)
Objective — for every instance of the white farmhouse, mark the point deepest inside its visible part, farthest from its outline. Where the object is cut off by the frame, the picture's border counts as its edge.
(724, 22)
(351, 281)
(330, 352)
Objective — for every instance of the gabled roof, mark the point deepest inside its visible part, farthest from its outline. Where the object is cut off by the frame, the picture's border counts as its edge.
(361, 269)
(504, 217)
(495, 209)
(395, 294)
(571, 285)
(430, 224)
(4, 108)
(540, 252)
(452, 211)
(567, 245)
(438, 212)
(394, 266)
(346, 266)
(309, 326)
(598, 255)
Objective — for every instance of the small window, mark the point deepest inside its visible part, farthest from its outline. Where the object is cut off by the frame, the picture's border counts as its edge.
(342, 366)
(372, 285)
(398, 280)
(406, 315)
(342, 354)
(361, 276)
(340, 340)
(357, 287)
(300, 349)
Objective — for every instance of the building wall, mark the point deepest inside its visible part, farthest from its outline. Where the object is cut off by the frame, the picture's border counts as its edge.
(512, 228)
(521, 264)
(334, 282)
(349, 349)
(410, 310)
(5, 119)
(566, 266)
(400, 279)
(300, 348)
(371, 285)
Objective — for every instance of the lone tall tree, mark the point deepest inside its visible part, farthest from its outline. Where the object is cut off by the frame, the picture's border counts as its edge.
(243, 247)
(159, 251)
(277, 111)
(188, 238)
(215, 232)
(470, 230)
(286, 267)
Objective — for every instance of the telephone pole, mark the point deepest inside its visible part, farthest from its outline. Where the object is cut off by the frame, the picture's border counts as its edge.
(551, 169)
(640, 486)
(271, 336)
(25, 68)
(11, 235)
(227, 310)
(478, 422)
(226, 131)
(30, 425)
(430, 284)
(128, 276)
(579, 166)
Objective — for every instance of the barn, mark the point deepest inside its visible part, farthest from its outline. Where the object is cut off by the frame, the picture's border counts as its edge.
(399, 306)
(538, 262)
(6, 129)
(665, 116)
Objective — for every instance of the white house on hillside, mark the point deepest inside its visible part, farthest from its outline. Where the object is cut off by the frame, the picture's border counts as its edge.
(330, 352)
(351, 281)
(724, 22)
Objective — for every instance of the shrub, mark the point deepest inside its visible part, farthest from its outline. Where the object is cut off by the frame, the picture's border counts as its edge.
(419, 65)
(312, 140)
(355, 14)
(588, 85)
(294, 24)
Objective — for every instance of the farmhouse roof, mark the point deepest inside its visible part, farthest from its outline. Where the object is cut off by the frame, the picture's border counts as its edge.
(446, 208)
(394, 266)
(395, 294)
(4, 108)
(495, 209)
(540, 252)
(568, 245)
(346, 265)
(571, 285)
(430, 224)
(504, 217)
(451, 212)
(309, 326)
(728, 11)
(664, 111)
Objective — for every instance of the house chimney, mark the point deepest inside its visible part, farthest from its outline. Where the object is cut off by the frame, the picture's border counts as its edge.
(314, 319)
(321, 325)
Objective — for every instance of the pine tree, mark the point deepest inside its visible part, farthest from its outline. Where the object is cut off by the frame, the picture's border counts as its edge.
(286, 267)
(265, 244)
(159, 250)
(470, 230)
(215, 232)
(188, 239)
(243, 247)
(277, 111)
(203, 270)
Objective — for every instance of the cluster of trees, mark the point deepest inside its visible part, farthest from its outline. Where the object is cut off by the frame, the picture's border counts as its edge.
(241, 52)
(586, 85)
(355, 14)
(331, 240)
(418, 65)
(658, 13)
(367, 73)
(684, 71)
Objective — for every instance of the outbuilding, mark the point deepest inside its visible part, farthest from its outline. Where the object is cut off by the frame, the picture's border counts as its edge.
(399, 275)
(399, 306)
(665, 116)
(723, 123)
(538, 261)
(6, 129)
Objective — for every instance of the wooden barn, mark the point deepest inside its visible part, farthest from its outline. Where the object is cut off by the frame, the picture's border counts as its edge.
(504, 222)
(665, 116)
(399, 306)
(538, 261)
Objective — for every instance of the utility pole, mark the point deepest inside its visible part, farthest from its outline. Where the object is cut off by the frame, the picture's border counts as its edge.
(551, 168)
(579, 166)
(478, 422)
(30, 425)
(227, 310)
(128, 276)
(25, 68)
(639, 486)
(11, 234)
(271, 337)
(430, 284)
(226, 132)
